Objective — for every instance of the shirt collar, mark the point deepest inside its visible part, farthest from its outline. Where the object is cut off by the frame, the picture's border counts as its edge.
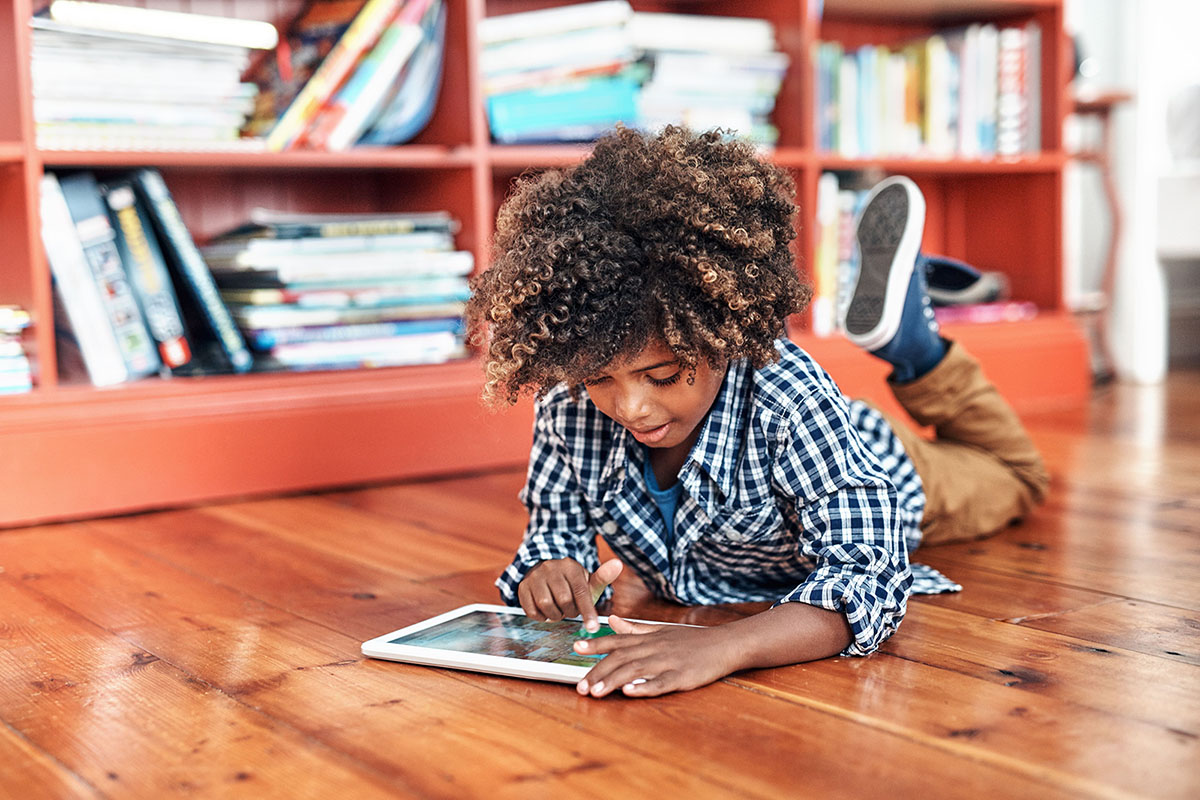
(719, 447)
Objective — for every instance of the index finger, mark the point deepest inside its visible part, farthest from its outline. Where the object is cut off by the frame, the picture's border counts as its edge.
(584, 603)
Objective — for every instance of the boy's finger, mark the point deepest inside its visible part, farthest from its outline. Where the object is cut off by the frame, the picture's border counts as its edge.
(622, 625)
(585, 603)
(605, 574)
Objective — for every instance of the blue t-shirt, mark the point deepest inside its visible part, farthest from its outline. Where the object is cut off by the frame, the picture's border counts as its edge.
(666, 499)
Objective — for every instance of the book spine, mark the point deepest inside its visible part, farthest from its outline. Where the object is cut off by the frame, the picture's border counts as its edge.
(596, 100)
(99, 246)
(147, 273)
(266, 339)
(76, 291)
(190, 267)
(362, 34)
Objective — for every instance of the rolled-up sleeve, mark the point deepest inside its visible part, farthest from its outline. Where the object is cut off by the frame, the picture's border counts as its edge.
(558, 521)
(849, 526)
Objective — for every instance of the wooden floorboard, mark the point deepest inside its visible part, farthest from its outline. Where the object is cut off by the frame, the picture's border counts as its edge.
(214, 652)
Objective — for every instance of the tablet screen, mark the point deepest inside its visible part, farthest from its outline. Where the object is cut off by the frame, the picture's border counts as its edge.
(508, 636)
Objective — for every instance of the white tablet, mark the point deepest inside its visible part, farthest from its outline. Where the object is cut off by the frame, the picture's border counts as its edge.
(495, 639)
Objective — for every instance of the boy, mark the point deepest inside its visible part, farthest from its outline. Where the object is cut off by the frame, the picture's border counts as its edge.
(715, 457)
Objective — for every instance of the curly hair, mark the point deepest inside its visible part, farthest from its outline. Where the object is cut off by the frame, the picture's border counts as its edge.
(678, 235)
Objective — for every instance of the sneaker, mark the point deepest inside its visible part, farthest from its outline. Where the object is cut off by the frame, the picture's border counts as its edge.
(889, 313)
(953, 283)
(889, 234)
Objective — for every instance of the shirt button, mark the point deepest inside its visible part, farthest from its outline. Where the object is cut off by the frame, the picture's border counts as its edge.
(736, 536)
(609, 527)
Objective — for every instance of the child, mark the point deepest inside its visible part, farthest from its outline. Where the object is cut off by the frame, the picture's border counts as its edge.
(714, 456)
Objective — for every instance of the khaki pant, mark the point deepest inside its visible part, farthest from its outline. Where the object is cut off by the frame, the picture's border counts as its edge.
(981, 472)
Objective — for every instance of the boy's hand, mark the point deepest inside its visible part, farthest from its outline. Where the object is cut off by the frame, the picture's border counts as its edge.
(562, 588)
(649, 660)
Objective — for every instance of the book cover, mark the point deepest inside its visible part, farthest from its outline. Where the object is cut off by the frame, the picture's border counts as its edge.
(81, 320)
(109, 276)
(352, 110)
(196, 288)
(147, 270)
(412, 104)
(361, 35)
(322, 268)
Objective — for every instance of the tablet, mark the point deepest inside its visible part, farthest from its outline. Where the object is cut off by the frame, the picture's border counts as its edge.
(494, 639)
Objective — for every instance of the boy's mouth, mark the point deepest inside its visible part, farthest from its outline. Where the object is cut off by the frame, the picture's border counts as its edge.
(651, 435)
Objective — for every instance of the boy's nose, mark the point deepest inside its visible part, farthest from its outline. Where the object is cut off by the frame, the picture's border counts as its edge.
(632, 408)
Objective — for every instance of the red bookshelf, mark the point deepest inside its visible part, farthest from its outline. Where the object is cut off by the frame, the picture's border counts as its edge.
(69, 451)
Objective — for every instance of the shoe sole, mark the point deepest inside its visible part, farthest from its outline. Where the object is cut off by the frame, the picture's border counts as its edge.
(889, 238)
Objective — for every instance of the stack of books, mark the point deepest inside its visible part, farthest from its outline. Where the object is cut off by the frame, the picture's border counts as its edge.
(558, 74)
(708, 72)
(15, 373)
(329, 291)
(971, 92)
(351, 72)
(116, 77)
(133, 296)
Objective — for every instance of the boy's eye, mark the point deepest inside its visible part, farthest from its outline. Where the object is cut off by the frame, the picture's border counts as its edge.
(665, 381)
(595, 381)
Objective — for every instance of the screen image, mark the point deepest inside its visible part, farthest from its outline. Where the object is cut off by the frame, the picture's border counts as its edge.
(508, 636)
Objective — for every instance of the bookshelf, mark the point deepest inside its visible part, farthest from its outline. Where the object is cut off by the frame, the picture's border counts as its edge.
(71, 451)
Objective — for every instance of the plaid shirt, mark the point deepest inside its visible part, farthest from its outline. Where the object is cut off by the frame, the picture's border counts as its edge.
(792, 493)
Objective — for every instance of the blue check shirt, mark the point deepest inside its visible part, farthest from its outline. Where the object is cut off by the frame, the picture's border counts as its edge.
(792, 494)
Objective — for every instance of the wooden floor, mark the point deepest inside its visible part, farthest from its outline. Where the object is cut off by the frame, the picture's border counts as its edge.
(214, 652)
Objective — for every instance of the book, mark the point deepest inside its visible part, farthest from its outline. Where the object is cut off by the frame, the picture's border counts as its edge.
(416, 348)
(599, 45)
(147, 271)
(345, 118)
(267, 338)
(351, 296)
(549, 21)
(166, 24)
(82, 319)
(288, 316)
(244, 251)
(710, 34)
(196, 289)
(589, 102)
(109, 277)
(1002, 311)
(412, 105)
(345, 268)
(273, 224)
(361, 35)
(280, 75)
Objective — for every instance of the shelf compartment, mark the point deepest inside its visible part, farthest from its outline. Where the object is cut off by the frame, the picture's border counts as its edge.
(937, 12)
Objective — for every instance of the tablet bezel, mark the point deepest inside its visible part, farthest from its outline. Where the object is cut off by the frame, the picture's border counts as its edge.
(382, 647)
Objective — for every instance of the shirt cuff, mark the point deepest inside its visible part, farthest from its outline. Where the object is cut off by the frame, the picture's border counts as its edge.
(871, 618)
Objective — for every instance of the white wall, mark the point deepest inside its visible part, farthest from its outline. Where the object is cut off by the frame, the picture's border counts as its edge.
(1147, 47)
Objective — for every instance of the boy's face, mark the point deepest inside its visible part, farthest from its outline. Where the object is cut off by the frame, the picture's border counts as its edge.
(649, 395)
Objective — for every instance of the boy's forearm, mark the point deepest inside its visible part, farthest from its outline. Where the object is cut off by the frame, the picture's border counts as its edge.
(787, 634)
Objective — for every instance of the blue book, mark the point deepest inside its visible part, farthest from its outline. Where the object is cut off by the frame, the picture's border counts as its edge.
(412, 106)
(588, 102)
(265, 339)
